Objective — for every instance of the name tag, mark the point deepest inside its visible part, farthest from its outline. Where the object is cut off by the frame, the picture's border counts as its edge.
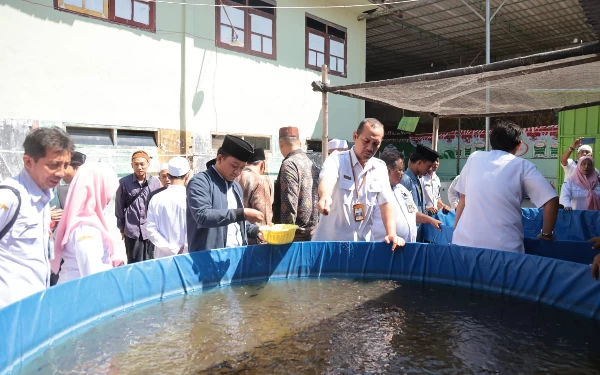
(359, 212)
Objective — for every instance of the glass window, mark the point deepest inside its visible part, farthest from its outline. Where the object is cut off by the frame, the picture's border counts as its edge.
(325, 43)
(253, 26)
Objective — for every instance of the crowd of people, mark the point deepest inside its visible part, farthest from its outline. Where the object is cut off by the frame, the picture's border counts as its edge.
(53, 233)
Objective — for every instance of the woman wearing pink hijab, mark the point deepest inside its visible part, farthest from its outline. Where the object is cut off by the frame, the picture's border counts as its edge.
(581, 191)
(83, 237)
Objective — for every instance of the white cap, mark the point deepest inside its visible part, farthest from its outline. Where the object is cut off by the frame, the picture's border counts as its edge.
(587, 148)
(337, 143)
(164, 167)
(178, 166)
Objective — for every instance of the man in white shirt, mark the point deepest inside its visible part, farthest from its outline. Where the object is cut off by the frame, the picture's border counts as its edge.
(453, 195)
(492, 185)
(432, 188)
(166, 224)
(569, 165)
(351, 184)
(407, 215)
(25, 249)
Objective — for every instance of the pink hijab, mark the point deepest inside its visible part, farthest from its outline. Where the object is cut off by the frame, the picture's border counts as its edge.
(588, 183)
(90, 192)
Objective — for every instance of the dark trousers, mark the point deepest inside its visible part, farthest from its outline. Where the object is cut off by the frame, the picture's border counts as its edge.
(138, 250)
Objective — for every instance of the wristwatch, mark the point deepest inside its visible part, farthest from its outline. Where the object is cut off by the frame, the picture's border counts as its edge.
(571, 148)
(547, 235)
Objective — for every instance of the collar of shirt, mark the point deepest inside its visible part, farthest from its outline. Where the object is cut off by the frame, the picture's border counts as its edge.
(295, 152)
(411, 175)
(227, 183)
(32, 187)
(368, 166)
(135, 179)
(176, 187)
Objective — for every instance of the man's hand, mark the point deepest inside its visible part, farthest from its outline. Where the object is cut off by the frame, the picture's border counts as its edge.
(395, 241)
(261, 237)
(576, 143)
(122, 236)
(542, 237)
(55, 214)
(253, 216)
(436, 223)
(324, 205)
(432, 210)
(596, 241)
(446, 209)
(595, 266)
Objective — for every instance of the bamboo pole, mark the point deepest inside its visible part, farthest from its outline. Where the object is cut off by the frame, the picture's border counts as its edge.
(436, 132)
(325, 116)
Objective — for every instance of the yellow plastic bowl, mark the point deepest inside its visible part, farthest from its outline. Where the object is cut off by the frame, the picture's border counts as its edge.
(279, 234)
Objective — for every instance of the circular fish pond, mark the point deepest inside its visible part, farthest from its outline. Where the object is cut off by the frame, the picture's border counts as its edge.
(330, 326)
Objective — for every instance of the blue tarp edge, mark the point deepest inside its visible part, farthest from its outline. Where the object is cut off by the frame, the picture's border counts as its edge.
(30, 325)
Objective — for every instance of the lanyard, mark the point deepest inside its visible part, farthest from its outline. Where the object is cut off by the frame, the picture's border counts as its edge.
(354, 177)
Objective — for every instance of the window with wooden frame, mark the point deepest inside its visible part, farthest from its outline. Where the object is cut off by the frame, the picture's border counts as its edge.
(247, 30)
(257, 141)
(136, 13)
(326, 43)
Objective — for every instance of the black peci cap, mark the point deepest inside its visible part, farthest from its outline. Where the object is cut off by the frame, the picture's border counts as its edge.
(259, 155)
(238, 148)
(427, 153)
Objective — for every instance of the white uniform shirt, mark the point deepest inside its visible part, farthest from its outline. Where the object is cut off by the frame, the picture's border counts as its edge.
(494, 184)
(406, 217)
(574, 196)
(234, 232)
(85, 253)
(24, 250)
(453, 195)
(166, 224)
(570, 169)
(432, 187)
(339, 225)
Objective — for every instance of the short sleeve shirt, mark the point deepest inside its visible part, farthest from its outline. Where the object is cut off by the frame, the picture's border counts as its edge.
(370, 183)
(494, 184)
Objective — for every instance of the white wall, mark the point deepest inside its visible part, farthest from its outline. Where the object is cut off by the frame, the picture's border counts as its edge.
(57, 66)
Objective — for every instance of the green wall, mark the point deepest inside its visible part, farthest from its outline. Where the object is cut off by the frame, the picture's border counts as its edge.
(583, 122)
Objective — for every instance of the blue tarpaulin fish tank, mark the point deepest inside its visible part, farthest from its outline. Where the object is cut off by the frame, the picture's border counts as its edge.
(554, 275)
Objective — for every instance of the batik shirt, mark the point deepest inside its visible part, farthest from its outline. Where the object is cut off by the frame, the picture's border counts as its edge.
(257, 193)
(296, 193)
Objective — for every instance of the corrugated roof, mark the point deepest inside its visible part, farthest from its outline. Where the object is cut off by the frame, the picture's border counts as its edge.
(592, 13)
(447, 34)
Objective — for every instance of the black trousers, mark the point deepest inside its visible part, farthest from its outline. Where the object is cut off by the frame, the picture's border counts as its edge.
(138, 250)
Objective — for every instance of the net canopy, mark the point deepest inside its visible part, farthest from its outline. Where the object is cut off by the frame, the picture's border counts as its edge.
(556, 80)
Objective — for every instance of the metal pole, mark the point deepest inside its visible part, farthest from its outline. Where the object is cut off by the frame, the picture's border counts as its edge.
(487, 61)
(458, 150)
(325, 116)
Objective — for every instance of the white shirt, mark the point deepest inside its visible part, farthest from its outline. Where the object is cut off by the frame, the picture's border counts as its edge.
(570, 169)
(85, 253)
(24, 250)
(432, 187)
(494, 184)
(453, 195)
(166, 225)
(339, 225)
(234, 232)
(406, 216)
(574, 196)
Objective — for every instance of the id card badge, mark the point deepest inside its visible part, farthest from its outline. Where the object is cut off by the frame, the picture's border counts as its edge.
(359, 212)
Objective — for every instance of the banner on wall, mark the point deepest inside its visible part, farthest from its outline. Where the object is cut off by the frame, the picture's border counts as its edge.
(540, 146)
(538, 143)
